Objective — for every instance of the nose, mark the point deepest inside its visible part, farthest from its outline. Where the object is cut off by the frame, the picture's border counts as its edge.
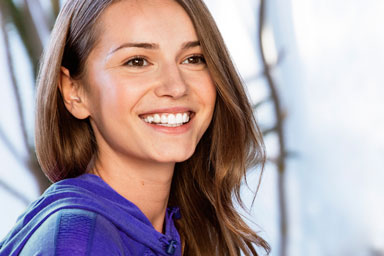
(171, 82)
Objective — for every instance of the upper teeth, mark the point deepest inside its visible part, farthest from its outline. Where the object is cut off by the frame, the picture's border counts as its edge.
(168, 119)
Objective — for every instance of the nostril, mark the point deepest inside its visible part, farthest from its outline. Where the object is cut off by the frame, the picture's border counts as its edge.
(173, 85)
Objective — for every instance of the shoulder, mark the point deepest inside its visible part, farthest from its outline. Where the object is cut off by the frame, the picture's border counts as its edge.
(74, 232)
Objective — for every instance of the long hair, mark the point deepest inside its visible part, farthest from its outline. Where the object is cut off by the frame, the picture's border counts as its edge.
(204, 186)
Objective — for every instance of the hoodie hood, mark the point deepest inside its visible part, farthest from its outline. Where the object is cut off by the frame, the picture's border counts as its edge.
(89, 192)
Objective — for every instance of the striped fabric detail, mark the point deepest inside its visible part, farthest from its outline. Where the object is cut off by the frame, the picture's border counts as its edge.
(74, 233)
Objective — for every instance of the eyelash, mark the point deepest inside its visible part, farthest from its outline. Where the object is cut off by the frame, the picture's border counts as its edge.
(201, 60)
(140, 58)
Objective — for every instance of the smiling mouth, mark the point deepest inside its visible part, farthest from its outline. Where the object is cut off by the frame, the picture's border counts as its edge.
(168, 119)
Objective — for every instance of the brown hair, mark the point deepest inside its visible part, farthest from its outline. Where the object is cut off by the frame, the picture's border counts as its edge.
(204, 185)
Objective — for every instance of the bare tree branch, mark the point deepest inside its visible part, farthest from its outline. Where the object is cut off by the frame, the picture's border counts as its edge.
(14, 192)
(39, 20)
(55, 7)
(15, 88)
(36, 171)
(262, 102)
(270, 130)
(280, 132)
(9, 145)
(24, 25)
(256, 76)
(31, 162)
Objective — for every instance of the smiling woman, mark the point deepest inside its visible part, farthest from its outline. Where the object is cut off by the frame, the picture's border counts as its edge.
(138, 104)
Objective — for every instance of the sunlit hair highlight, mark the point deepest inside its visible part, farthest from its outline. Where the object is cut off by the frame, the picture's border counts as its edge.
(205, 185)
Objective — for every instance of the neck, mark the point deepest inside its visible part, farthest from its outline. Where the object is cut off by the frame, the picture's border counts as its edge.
(145, 184)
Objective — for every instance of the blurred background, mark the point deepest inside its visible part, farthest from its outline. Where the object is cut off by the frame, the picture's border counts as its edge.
(314, 72)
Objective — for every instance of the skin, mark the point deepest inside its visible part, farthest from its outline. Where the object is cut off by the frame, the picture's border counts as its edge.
(170, 75)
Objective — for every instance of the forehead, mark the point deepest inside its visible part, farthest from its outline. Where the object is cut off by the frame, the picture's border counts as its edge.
(144, 20)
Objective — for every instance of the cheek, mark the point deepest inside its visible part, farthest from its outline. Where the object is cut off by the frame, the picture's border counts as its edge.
(204, 87)
(212, 95)
(118, 95)
(208, 92)
(207, 95)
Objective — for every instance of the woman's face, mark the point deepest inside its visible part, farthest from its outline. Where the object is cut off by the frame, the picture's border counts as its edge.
(150, 95)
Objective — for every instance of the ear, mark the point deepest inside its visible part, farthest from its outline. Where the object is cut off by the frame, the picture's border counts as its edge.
(73, 95)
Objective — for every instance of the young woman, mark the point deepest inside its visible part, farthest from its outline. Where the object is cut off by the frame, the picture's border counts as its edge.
(144, 127)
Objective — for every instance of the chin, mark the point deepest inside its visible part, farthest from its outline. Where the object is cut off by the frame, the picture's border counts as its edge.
(175, 157)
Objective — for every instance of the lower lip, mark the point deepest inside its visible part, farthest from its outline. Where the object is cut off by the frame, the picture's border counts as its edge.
(172, 130)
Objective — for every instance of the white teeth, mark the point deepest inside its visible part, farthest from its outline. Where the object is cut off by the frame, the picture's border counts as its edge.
(169, 120)
(164, 119)
(156, 118)
(185, 118)
(179, 118)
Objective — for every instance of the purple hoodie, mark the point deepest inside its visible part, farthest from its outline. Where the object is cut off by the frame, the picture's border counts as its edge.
(85, 216)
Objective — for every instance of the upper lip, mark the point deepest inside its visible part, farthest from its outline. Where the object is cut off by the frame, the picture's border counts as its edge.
(167, 110)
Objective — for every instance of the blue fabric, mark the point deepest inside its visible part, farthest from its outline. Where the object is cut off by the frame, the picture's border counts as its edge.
(85, 216)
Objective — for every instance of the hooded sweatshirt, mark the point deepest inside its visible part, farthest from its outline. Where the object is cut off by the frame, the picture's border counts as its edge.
(85, 216)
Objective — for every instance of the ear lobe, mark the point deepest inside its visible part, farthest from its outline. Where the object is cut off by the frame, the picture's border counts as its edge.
(73, 95)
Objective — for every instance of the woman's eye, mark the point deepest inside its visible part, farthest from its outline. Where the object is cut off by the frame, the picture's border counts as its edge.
(196, 59)
(137, 62)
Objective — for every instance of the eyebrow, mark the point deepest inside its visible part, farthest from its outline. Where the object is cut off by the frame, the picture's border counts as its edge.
(190, 44)
(153, 46)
